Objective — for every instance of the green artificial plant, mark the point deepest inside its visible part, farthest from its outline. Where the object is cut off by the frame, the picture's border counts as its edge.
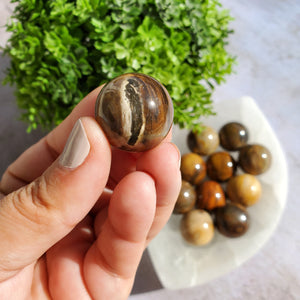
(60, 50)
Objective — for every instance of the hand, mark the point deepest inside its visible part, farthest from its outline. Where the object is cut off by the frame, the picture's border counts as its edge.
(63, 235)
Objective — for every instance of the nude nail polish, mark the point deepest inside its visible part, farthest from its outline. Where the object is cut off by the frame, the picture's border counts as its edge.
(77, 147)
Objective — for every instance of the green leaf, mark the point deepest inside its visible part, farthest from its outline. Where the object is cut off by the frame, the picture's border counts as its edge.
(60, 50)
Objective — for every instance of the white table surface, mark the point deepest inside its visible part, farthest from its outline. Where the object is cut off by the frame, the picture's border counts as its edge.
(267, 44)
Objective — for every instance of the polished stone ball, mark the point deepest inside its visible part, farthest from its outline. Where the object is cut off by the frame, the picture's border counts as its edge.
(203, 143)
(233, 136)
(210, 195)
(197, 227)
(186, 199)
(244, 189)
(232, 220)
(255, 159)
(135, 112)
(220, 166)
(193, 168)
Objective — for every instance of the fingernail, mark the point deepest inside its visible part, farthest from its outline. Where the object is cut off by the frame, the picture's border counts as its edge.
(77, 147)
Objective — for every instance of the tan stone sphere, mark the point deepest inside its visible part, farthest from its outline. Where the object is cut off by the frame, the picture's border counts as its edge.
(197, 227)
(244, 189)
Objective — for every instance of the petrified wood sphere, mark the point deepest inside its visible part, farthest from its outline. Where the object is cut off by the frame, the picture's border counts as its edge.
(186, 199)
(135, 111)
(232, 220)
(255, 159)
(233, 136)
(210, 195)
(220, 166)
(244, 189)
(203, 143)
(193, 168)
(197, 227)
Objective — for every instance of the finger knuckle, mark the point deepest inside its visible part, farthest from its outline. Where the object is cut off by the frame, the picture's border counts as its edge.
(34, 202)
(40, 195)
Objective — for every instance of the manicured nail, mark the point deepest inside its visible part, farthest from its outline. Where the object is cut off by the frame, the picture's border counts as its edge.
(77, 147)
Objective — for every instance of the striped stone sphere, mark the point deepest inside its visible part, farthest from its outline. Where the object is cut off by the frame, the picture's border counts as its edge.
(135, 111)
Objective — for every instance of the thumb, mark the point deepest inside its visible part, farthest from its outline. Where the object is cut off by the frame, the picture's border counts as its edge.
(36, 216)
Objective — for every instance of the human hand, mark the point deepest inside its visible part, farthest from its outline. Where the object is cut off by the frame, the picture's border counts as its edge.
(63, 235)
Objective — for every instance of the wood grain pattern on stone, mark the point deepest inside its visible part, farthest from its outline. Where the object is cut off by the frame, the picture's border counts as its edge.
(232, 220)
(244, 189)
(210, 195)
(205, 142)
(233, 136)
(135, 111)
(220, 166)
(197, 227)
(255, 159)
(193, 168)
(186, 199)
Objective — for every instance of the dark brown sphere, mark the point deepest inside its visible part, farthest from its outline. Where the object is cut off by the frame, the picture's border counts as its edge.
(197, 227)
(232, 220)
(244, 189)
(255, 159)
(186, 199)
(203, 143)
(135, 111)
(193, 168)
(220, 166)
(210, 195)
(233, 136)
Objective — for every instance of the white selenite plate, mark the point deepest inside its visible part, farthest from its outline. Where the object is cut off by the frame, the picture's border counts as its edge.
(178, 264)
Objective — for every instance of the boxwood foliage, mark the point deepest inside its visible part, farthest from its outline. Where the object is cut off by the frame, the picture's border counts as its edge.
(60, 50)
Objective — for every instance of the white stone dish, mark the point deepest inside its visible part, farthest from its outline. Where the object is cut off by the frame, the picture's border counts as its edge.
(178, 264)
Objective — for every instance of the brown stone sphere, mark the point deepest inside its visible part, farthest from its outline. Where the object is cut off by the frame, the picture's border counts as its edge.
(255, 159)
(186, 199)
(135, 112)
(220, 166)
(232, 220)
(233, 136)
(244, 189)
(197, 227)
(210, 195)
(205, 142)
(193, 168)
